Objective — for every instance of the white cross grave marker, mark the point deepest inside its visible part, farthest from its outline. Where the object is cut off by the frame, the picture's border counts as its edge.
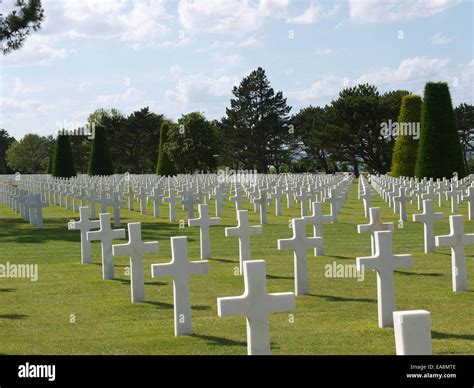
(299, 244)
(243, 230)
(428, 217)
(204, 222)
(457, 240)
(135, 249)
(105, 235)
(385, 263)
(257, 305)
(84, 225)
(180, 269)
(317, 219)
(375, 225)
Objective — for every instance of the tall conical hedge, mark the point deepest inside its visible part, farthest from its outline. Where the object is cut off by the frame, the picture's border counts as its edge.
(439, 150)
(406, 145)
(100, 162)
(63, 161)
(165, 166)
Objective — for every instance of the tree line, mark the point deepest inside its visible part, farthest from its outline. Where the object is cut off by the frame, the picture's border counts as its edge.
(258, 132)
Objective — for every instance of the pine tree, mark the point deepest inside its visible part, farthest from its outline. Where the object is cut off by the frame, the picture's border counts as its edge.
(63, 162)
(406, 145)
(164, 166)
(100, 162)
(439, 150)
(17, 25)
(255, 131)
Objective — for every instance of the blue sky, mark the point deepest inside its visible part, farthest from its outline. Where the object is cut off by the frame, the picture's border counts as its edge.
(179, 56)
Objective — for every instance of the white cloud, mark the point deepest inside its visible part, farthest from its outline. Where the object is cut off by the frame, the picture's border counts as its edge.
(251, 41)
(327, 86)
(228, 16)
(440, 38)
(196, 87)
(130, 21)
(324, 52)
(37, 50)
(374, 11)
(12, 105)
(176, 70)
(129, 96)
(461, 84)
(314, 13)
(410, 69)
(228, 60)
(227, 44)
(411, 74)
(142, 23)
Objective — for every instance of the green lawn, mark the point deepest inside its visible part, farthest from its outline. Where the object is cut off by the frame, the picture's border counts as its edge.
(339, 317)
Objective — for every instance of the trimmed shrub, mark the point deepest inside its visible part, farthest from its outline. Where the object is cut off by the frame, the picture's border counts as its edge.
(100, 162)
(63, 161)
(439, 149)
(406, 145)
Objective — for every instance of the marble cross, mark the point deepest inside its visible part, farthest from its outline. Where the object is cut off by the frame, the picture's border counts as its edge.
(103, 201)
(457, 240)
(171, 200)
(256, 304)
(261, 201)
(135, 249)
(84, 225)
(116, 204)
(384, 262)
(204, 222)
(105, 235)
(36, 210)
(366, 197)
(428, 217)
(156, 198)
(189, 203)
(219, 198)
(180, 269)
(243, 230)
(93, 201)
(142, 196)
(401, 199)
(333, 201)
(299, 244)
(277, 195)
(317, 219)
(375, 225)
(302, 198)
(469, 197)
(238, 198)
(289, 191)
(131, 197)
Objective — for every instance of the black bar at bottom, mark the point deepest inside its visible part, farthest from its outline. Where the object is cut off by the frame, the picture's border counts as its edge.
(454, 371)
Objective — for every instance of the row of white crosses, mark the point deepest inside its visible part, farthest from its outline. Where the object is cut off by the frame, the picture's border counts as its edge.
(397, 191)
(257, 314)
(28, 204)
(412, 328)
(457, 239)
(256, 303)
(115, 191)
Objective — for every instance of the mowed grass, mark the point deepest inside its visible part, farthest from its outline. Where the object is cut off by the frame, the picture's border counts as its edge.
(71, 310)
